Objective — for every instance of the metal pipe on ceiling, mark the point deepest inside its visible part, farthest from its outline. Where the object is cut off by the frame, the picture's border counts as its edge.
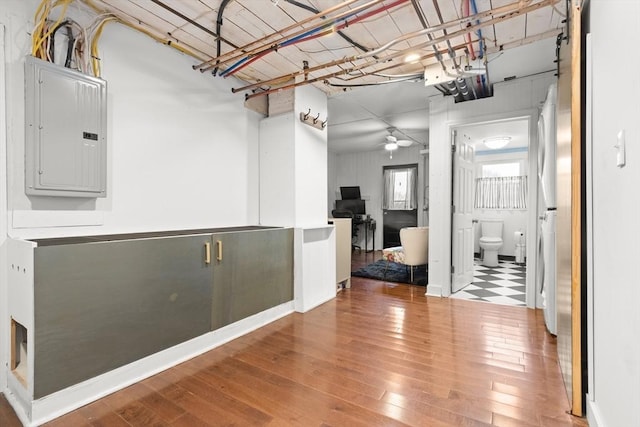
(265, 41)
(384, 82)
(425, 25)
(503, 17)
(340, 33)
(328, 28)
(321, 78)
(504, 11)
(192, 22)
(396, 65)
(452, 53)
(309, 33)
(465, 12)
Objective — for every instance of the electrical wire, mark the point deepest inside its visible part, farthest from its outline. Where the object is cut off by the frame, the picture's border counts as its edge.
(384, 82)
(41, 39)
(326, 28)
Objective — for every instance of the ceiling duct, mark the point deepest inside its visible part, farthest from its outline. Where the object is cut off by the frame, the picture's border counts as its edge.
(464, 82)
(447, 71)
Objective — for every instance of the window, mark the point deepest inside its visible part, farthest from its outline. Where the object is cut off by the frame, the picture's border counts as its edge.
(400, 191)
(501, 187)
(494, 170)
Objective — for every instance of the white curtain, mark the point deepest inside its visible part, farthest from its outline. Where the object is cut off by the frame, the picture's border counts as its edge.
(508, 192)
(400, 189)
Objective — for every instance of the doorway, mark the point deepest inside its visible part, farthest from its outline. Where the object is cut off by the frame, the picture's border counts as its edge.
(400, 201)
(498, 196)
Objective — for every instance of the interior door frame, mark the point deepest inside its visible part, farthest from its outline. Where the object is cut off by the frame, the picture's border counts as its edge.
(531, 115)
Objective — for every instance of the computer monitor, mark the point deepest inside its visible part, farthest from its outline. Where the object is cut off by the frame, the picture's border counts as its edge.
(349, 193)
(355, 206)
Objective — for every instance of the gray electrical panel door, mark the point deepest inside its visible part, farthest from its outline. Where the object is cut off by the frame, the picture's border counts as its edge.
(65, 131)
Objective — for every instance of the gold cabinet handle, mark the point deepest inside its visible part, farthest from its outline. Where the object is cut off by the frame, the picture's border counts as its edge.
(219, 254)
(207, 253)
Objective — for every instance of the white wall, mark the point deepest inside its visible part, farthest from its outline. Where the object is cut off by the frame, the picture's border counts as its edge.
(310, 158)
(182, 148)
(293, 163)
(365, 169)
(614, 324)
(515, 98)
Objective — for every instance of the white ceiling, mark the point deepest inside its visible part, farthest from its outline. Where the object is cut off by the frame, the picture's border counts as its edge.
(359, 118)
(256, 46)
(518, 130)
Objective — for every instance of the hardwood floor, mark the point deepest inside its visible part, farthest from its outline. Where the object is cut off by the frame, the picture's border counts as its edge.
(380, 354)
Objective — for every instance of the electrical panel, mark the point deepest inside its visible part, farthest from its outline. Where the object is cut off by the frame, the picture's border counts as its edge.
(66, 141)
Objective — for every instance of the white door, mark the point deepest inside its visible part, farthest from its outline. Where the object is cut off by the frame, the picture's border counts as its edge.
(462, 227)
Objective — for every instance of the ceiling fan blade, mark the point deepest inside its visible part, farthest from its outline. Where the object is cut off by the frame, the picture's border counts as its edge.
(404, 142)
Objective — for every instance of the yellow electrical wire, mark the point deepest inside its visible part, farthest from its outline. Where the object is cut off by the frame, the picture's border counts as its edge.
(95, 58)
(41, 40)
(42, 32)
(39, 20)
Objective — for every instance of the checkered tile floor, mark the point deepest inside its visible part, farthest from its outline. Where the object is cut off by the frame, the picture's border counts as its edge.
(504, 284)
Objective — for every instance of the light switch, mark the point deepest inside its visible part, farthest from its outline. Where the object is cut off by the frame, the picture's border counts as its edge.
(620, 146)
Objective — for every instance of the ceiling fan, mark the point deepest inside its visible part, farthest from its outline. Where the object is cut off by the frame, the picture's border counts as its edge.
(393, 143)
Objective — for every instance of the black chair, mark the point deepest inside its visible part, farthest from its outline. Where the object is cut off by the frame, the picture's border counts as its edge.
(354, 227)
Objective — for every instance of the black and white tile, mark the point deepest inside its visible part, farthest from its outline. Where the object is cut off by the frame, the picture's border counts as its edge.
(504, 284)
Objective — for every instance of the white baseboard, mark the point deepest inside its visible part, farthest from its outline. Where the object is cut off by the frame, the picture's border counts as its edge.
(434, 290)
(303, 309)
(593, 414)
(64, 401)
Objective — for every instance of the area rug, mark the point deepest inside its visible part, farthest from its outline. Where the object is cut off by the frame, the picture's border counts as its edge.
(397, 273)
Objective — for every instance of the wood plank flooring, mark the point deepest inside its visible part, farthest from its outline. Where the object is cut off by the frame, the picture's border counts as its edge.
(380, 354)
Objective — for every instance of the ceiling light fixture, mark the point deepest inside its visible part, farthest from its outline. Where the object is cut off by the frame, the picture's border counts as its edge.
(390, 146)
(496, 142)
(412, 57)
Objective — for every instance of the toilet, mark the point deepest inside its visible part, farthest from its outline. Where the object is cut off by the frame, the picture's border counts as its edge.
(490, 241)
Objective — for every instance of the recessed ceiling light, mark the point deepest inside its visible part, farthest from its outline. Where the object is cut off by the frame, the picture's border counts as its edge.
(412, 57)
(496, 142)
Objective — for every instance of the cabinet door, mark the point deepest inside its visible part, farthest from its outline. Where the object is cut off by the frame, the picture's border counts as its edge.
(102, 305)
(252, 271)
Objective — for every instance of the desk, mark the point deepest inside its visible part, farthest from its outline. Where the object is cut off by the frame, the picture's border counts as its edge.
(369, 224)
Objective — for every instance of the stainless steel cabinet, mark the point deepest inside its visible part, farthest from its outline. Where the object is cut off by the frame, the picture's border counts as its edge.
(102, 305)
(252, 271)
(101, 302)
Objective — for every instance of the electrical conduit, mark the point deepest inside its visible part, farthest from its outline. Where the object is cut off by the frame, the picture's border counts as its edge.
(307, 35)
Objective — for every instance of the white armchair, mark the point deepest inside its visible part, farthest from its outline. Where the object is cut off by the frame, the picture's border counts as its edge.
(414, 250)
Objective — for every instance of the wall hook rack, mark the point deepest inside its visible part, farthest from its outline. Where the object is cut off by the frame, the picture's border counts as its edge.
(315, 122)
